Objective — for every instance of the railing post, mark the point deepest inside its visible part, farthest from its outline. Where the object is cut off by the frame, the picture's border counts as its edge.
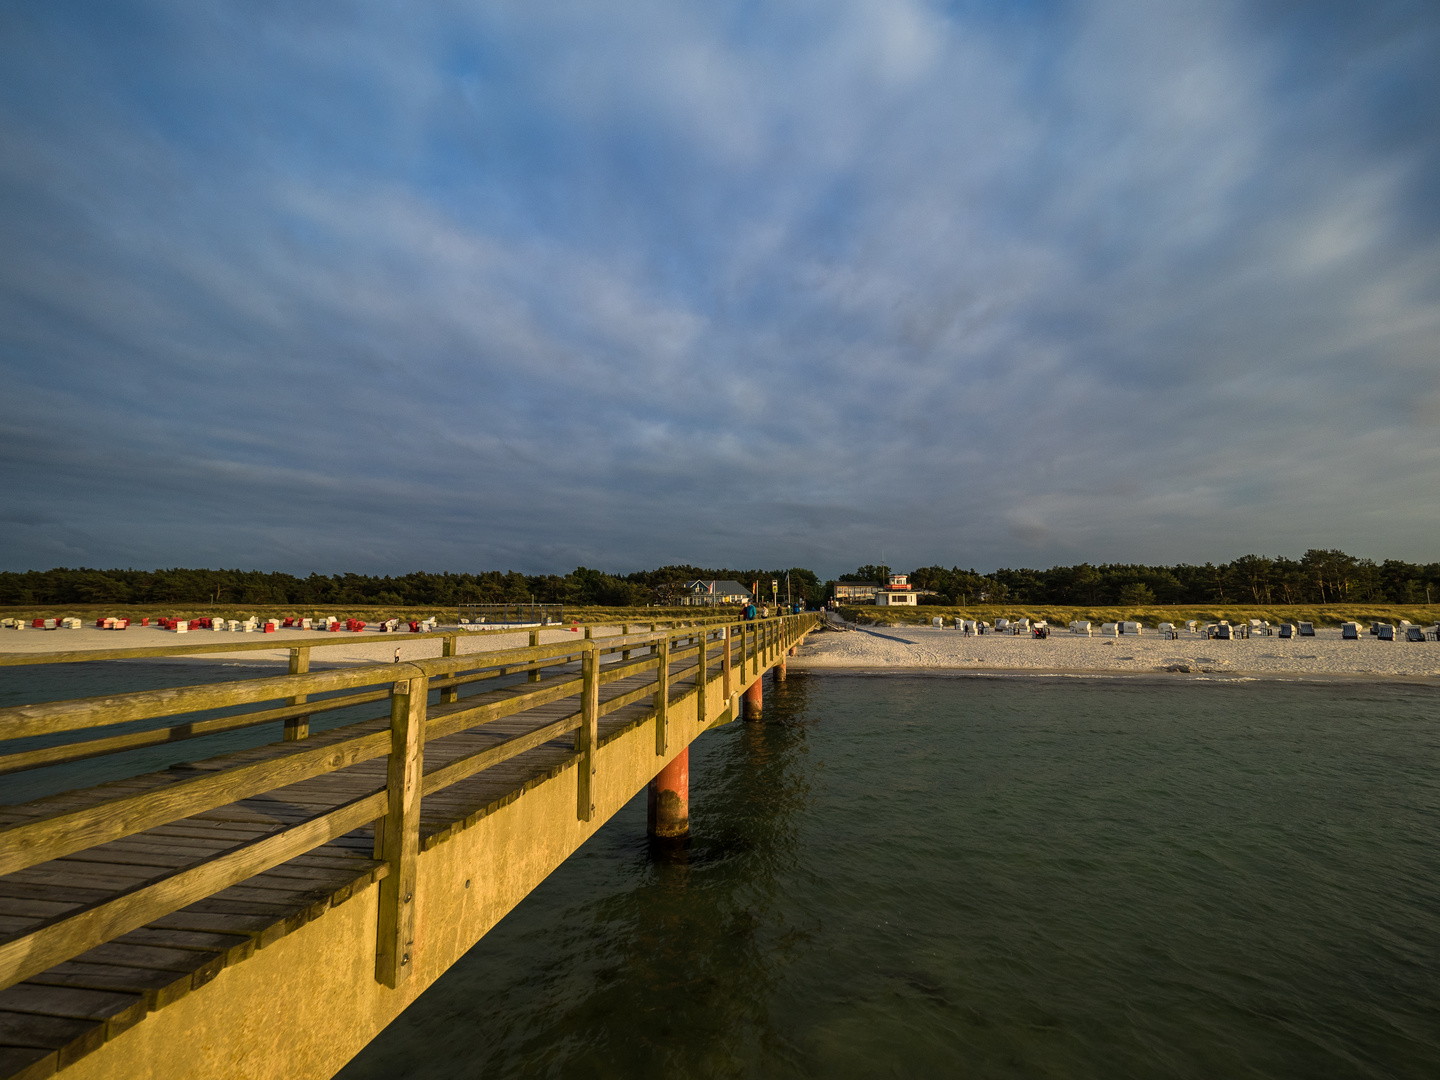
(534, 644)
(587, 738)
(700, 675)
(625, 653)
(298, 727)
(725, 659)
(397, 835)
(662, 696)
(449, 694)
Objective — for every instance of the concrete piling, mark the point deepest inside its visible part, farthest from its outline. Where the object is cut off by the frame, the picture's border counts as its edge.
(754, 701)
(668, 805)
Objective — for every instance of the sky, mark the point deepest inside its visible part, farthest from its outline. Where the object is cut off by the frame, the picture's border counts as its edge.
(384, 287)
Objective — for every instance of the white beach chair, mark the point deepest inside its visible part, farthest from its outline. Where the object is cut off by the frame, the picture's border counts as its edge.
(1130, 628)
(1109, 629)
(1080, 628)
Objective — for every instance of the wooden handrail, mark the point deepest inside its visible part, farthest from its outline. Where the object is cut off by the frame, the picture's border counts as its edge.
(394, 809)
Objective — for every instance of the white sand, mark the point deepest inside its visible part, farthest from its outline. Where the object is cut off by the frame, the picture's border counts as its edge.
(876, 649)
(899, 649)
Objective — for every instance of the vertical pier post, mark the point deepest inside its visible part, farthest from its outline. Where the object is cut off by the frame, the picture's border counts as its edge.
(662, 696)
(298, 727)
(725, 660)
(449, 694)
(397, 834)
(534, 644)
(587, 738)
(668, 803)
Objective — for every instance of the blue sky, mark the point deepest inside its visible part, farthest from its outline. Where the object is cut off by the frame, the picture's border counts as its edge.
(379, 287)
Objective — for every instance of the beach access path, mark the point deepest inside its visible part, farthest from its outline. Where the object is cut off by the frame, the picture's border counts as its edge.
(897, 649)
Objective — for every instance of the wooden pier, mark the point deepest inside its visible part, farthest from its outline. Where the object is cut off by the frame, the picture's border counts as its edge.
(266, 912)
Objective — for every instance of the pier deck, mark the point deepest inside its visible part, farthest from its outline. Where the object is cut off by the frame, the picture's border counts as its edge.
(252, 899)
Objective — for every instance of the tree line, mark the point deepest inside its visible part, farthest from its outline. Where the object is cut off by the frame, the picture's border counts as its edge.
(582, 586)
(1317, 577)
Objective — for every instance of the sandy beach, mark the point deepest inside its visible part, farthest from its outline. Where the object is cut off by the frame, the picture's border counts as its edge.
(916, 649)
(871, 649)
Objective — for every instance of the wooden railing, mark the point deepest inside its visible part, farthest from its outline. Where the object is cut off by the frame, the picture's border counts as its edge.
(556, 671)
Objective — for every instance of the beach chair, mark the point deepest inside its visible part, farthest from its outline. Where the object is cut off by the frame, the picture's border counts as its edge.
(1307, 629)
(1349, 631)
(1130, 628)
(1414, 633)
(1287, 632)
(1385, 633)
(1020, 626)
(1000, 626)
(1080, 628)
(1223, 631)
(1109, 629)
(1191, 625)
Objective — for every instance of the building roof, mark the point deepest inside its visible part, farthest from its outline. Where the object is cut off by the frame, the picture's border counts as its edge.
(717, 588)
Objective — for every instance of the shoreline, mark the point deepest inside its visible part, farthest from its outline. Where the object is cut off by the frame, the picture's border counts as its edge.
(796, 666)
(946, 652)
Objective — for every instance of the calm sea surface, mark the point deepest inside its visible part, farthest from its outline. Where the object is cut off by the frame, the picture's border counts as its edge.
(989, 877)
(969, 876)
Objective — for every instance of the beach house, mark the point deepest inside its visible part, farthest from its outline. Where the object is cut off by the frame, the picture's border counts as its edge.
(897, 593)
(711, 593)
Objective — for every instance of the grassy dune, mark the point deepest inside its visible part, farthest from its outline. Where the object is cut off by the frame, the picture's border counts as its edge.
(1152, 615)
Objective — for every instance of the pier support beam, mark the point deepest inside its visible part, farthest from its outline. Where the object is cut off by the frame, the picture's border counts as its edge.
(754, 701)
(668, 816)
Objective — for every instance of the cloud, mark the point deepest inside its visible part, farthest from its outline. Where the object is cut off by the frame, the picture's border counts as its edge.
(508, 285)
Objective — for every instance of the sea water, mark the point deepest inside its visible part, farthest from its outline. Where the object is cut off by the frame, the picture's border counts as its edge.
(958, 876)
(1037, 877)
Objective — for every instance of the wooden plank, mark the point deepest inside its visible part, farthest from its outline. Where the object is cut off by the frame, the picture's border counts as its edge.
(26, 844)
(195, 729)
(324, 640)
(73, 934)
(158, 987)
(28, 1062)
(506, 702)
(397, 840)
(70, 1039)
(497, 753)
(115, 1011)
(22, 721)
